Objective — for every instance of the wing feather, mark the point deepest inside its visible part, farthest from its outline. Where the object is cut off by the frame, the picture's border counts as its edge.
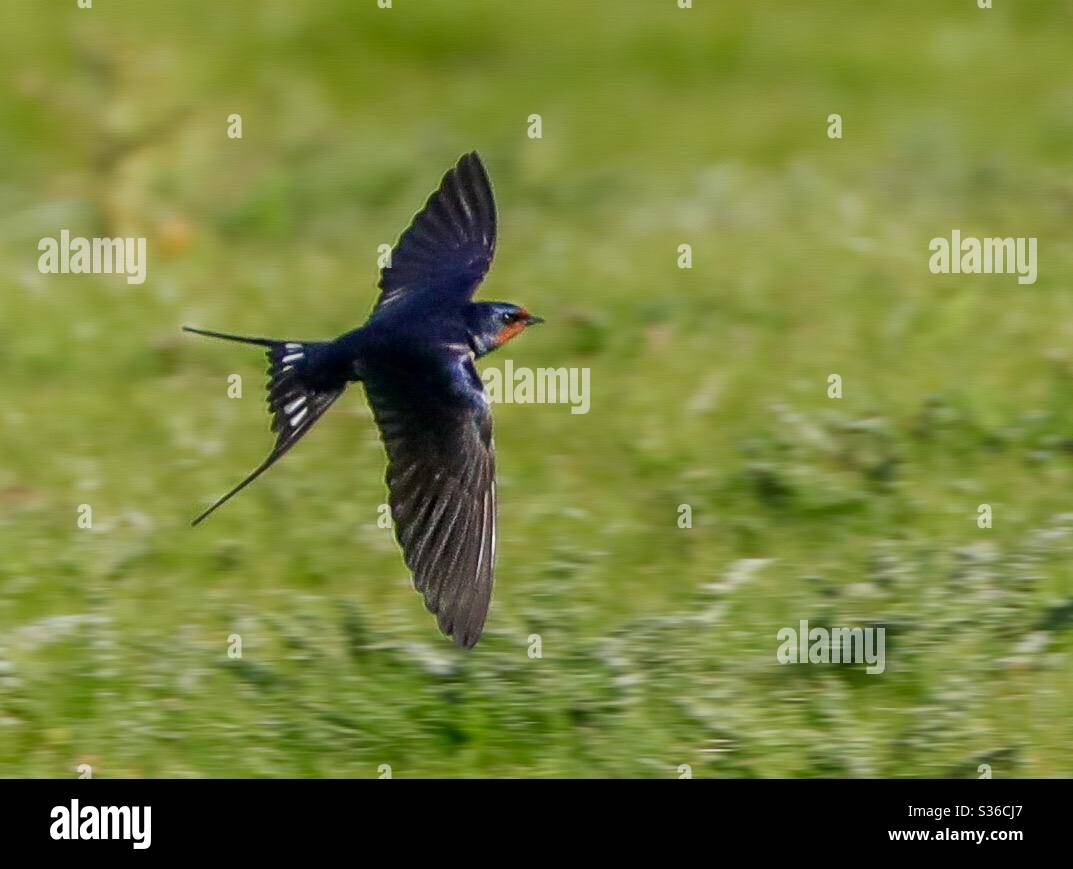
(448, 247)
(441, 482)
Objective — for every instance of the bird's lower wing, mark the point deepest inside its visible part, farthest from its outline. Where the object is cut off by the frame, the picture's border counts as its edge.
(441, 479)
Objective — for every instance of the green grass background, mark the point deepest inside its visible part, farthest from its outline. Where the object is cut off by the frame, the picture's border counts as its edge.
(661, 126)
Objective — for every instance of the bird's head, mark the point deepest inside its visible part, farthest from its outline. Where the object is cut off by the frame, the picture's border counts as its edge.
(493, 324)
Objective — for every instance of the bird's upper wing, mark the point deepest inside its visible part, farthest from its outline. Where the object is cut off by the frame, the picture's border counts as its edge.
(441, 478)
(449, 245)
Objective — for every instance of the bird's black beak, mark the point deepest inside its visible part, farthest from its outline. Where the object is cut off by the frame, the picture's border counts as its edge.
(533, 321)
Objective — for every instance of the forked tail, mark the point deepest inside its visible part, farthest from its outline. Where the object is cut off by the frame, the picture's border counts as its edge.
(293, 400)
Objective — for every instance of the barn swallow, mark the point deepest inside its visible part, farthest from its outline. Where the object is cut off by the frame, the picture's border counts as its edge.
(414, 356)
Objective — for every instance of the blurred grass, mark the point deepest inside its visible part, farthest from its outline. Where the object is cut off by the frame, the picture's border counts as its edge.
(661, 126)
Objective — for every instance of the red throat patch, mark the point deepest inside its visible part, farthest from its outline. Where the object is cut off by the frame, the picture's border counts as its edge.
(508, 332)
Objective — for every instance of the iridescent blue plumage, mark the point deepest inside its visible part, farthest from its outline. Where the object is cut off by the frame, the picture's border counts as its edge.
(414, 356)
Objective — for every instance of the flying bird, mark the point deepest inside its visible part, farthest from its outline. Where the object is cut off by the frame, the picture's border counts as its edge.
(414, 356)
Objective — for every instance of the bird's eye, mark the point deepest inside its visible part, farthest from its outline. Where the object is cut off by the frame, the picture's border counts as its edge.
(508, 317)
